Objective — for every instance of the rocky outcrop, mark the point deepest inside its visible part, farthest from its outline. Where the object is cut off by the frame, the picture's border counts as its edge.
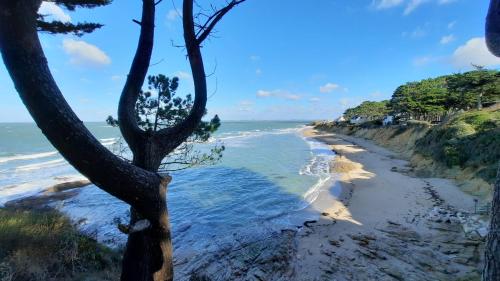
(264, 258)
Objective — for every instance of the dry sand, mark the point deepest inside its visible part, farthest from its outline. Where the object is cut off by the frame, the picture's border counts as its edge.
(385, 226)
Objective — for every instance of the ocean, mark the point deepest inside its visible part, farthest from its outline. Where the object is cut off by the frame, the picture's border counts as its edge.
(268, 176)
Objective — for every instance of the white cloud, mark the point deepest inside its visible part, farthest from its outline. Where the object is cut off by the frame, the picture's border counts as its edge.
(258, 71)
(278, 94)
(385, 4)
(447, 39)
(413, 5)
(443, 2)
(410, 5)
(183, 75)
(173, 14)
(452, 24)
(474, 52)
(328, 88)
(54, 11)
(83, 53)
(314, 100)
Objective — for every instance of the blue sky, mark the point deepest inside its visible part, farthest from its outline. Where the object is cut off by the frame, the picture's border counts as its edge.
(273, 59)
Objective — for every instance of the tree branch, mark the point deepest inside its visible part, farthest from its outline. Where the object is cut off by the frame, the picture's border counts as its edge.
(129, 128)
(26, 63)
(209, 25)
(493, 27)
(170, 138)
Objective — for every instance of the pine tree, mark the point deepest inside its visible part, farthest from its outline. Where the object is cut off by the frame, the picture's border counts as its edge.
(78, 29)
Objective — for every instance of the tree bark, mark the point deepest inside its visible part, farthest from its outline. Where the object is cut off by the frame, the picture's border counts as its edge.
(148, 255)
(492, 27)
(491, 271)
(26, 63)
(149, 252)
(133, 135)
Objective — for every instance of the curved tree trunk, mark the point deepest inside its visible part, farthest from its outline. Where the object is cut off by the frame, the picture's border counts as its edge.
(492, 27)
(491, 271)
(148, 254)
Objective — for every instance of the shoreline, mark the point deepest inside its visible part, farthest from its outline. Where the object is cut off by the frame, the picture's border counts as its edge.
(391, 225)
(375, 222)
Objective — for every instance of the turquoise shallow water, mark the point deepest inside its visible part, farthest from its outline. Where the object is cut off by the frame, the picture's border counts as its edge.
(268, 175)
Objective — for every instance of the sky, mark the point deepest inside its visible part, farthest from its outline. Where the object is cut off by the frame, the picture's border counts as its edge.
(269, 59)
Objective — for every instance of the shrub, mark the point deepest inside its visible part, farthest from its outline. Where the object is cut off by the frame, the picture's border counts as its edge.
(470, 139)
(44, 245)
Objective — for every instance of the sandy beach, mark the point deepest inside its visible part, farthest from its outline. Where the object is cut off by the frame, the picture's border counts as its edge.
(388, 225)
(376, 222)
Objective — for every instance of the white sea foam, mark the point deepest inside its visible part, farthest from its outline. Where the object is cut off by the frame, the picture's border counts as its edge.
(255, 133)
(27, 156)
(42, 165)
(17, 191)
(318, 166)
(108, 143)
(108, 139)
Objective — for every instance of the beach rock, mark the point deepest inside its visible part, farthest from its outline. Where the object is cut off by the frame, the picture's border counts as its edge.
(261, 258)
(308, 223)
(40, 201)
(333, 242)
(482, 231)
(362, 240)
(393, 272)
(67, 186)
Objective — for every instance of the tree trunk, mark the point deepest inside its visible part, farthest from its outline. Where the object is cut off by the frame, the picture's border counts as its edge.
(492, 27)
(148, 253)
(491, 271)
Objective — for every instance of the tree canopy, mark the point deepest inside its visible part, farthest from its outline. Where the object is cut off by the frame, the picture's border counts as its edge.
(369, 109)
(160, 107)
(432, 98)
(78, 29)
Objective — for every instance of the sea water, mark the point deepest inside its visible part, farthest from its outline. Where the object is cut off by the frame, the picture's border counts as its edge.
(269, 174)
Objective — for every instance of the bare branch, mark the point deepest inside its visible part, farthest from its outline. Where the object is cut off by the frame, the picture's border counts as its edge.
(170, 138)
(212, 20)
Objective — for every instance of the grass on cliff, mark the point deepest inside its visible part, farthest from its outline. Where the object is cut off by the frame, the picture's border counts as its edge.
(470, 139)
(44, 245)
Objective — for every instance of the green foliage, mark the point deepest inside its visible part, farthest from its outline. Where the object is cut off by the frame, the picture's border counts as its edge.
(473, 89)
(160, 108)
(422, 100)
(73, 4)
(57, 27)
(430, 99)
(44, 245)
(470, 139)
(370, 110)
(78, 29)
